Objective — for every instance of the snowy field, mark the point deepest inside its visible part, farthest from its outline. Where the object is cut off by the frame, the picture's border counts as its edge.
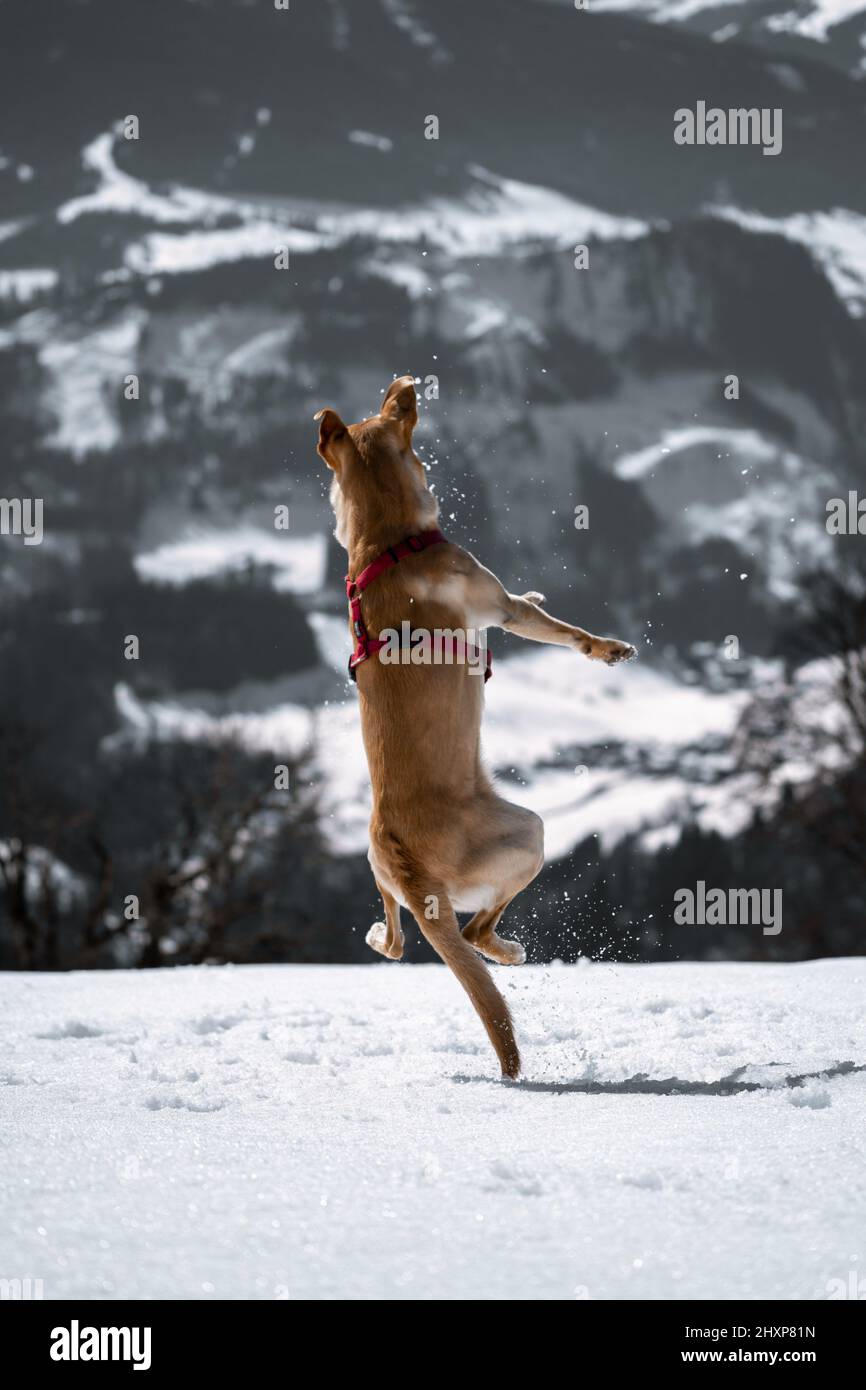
(684, 1131)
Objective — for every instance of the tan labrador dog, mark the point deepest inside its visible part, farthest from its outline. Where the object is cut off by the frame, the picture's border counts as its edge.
(442, 840)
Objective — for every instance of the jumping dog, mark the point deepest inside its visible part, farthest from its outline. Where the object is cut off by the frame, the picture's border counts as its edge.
(442, 839)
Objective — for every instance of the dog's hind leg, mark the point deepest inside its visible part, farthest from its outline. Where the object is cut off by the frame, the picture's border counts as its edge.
(510, 863)
(427, 899)
(480, 932)
(387, 937)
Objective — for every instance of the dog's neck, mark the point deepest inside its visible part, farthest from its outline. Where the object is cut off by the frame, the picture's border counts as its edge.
(368, 524)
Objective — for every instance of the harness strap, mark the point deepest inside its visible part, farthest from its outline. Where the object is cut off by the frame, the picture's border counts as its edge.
(365, 645)
(412, 545)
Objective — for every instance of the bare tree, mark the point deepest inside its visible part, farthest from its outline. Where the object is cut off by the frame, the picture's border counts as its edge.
(196, 836)
(804, 736)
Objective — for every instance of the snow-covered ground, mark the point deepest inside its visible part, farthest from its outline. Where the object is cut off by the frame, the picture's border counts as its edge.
(684, 1131)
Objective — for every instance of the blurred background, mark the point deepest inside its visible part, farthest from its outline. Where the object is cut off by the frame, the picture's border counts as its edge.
(140, 823)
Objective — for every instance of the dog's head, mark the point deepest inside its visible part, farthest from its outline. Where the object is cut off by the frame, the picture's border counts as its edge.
(378, 477)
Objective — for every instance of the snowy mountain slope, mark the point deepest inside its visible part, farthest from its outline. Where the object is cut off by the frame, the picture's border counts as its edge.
(684, 1131)
(832, 30)
(594, 751)
(455, 258)
(593, 95)
(836, 239)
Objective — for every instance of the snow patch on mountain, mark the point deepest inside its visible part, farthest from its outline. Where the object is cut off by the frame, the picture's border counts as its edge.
(708, 482)
(165, 253)
(749, 443)
(496, 214)
(119, 193)
(298, 561)
(820, 17)
(371, 140)
(836, 239)
(810, 19)
(664, 11)
(87, 380)
(405, 18)
(24, 284)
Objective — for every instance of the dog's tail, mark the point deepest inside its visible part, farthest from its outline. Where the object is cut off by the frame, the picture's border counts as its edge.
(435, 916)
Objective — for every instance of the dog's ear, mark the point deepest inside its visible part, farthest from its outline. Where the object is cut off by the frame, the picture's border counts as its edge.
(334, 438)
(401, 406)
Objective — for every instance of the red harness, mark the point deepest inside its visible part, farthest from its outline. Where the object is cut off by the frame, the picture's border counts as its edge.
(365, 645)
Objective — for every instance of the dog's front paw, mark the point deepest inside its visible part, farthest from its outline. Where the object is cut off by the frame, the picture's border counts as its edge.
(534, 597)
(611, 651)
